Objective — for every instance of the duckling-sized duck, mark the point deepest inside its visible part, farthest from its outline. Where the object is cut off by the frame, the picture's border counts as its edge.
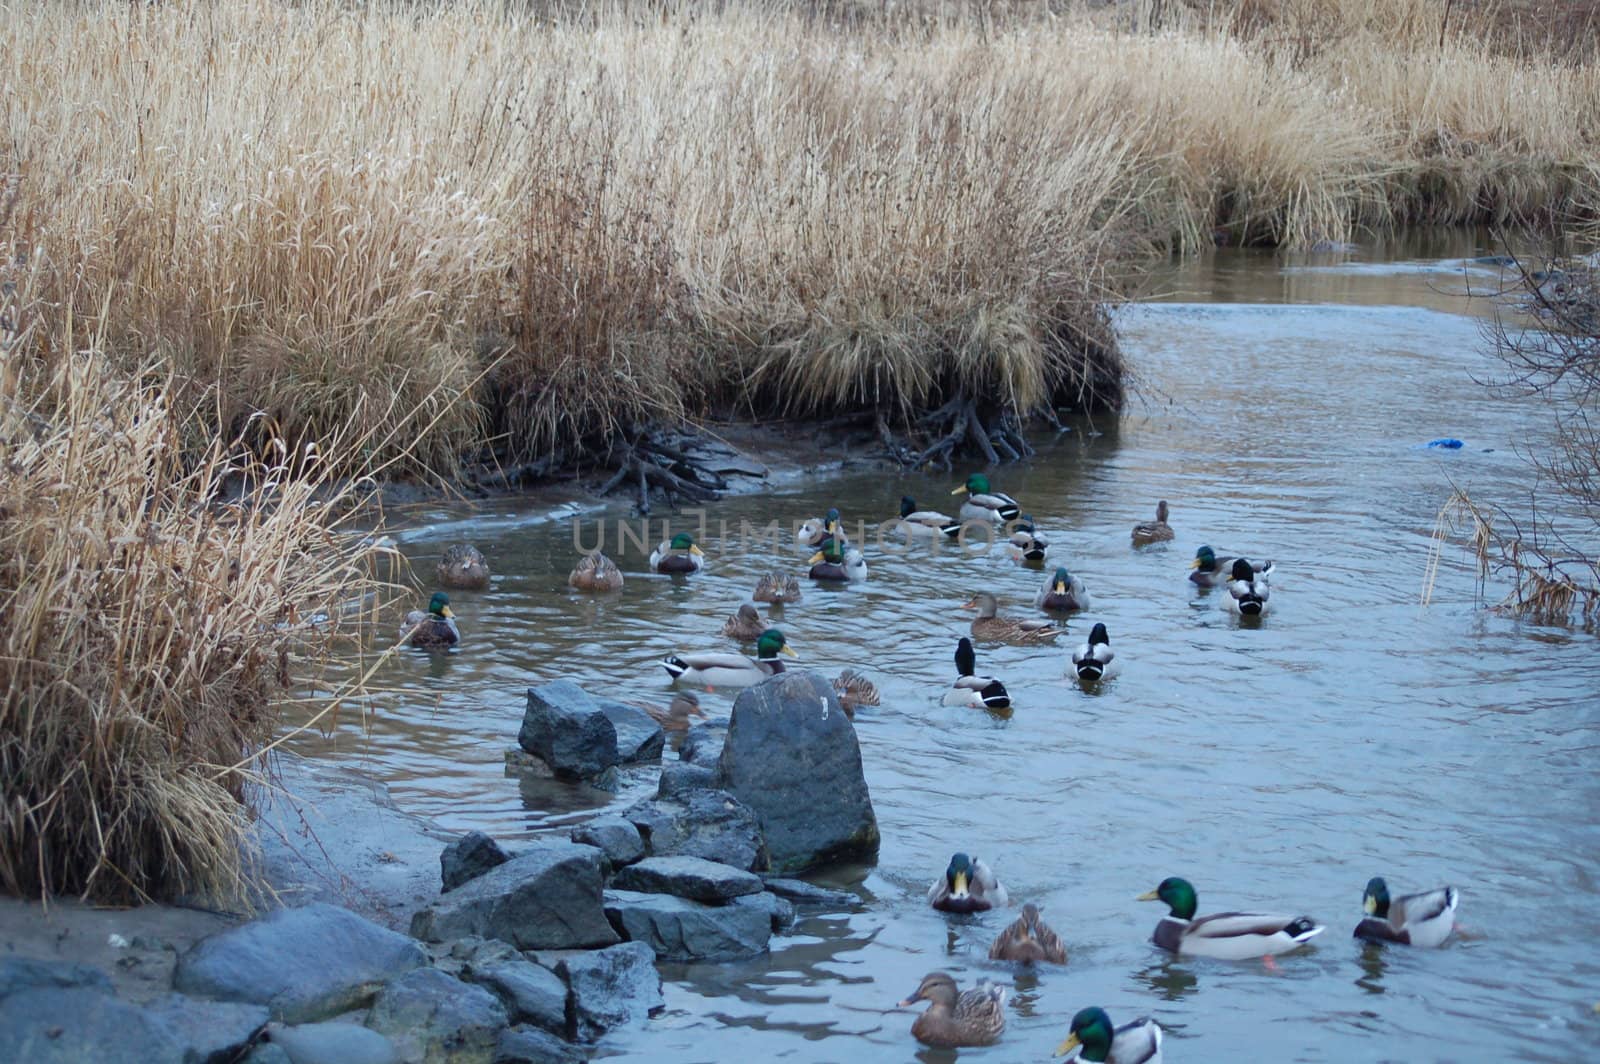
(1157, 531)
(745, 626)
(675, 717)
(714, 669)
(989, 625)
(595, 572)
(1424, 919)
(677, 555)
(854, 690)
(462, 568)
(1247, 593)
(1230, 936)
(1093, 660)
(1212, 570)
(433, 630)
(1029, 940)
(924, 524)
(981, 692)
(982, 504)
(1138, 1042)
(967, 886)
(833, 564)
(778, 588)
(955, 1018)
(1063, 592)
(817, 529)
(1026, 544)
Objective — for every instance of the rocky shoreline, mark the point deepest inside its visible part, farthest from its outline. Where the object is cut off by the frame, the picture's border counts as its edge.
(527, 955)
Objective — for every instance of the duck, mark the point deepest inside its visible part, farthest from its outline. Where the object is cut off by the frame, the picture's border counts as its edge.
(1424, 919)
(967, 886)
(1026, 544)
(745, 626)
(1210, 570)
(716, 669)
(957, 1018)
(778, 588)
(815, 530)
(984, 504)
(1230, 936)
(854, 690)
(434, 629)
(924, 524)
(1063, 592)
(462, 568)
(1028, 940)
(677, 555)
(1157, 531)
(989, 625)
(675, 717)
(595, 572)
(982, 692)
(1247, 593)
(1138, 1042)
(835, 565)
(1093, 660)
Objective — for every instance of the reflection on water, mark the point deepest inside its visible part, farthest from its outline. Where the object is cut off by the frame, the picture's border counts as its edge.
(1277, 765)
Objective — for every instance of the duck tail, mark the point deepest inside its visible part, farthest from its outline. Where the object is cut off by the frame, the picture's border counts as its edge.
(995, 695)
(675, 666)
(1302, 928)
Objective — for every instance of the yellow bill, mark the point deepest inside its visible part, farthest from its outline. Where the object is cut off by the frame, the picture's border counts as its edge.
(1068, 1046)
(1148, 895)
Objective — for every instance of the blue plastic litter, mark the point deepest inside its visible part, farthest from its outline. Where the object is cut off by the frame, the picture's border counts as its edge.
(1446, 442)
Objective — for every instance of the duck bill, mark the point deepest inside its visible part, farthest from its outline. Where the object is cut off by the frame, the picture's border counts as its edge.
(1370, 904)
(814, 559)
(1068, 1046)
(1148, 895)
(789, 650)
(958, 885)
(970, 605)
(962, 490)
(912, 1000)
(1059, 588)
(696, 551)
(446, 612)
(1195, 564)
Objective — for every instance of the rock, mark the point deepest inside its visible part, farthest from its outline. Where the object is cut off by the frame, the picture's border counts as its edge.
(55, 1025)
(792, 757)
(709, 824)
(272, 1053)
(778, 910)
(679, 779)
(702, 744)
(611, 988)
(483, 951)
(613, 836)
(678, 929)
(332, 1043)
(530, 993)
(802, 893)
(303, 964)
(469, 857)
(448, 1021)
(545, 898)
(530, 1045)
(688, 877)
(27, 973)
(210, 1032)
(581, 736)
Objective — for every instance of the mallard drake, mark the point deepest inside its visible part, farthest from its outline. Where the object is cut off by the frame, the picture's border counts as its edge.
(675, 716)
(816, 529)
(975, 1017)
(1424, 919)
(1230, 936)
(831, 563)
(967, 886)
(1062, 592)
(1093, 660)
(434, 629)
(1138, 1042)
(983, 692)
(1028, 940)
(745, 625)
(923, 524)
(715, 669)
(1210, 570)
(990, 626)
(595, 572)
(1025, 543)
(982, 504)
(462, 568)
(677, 555)
(1157, 531)
(777, 587)
(854, 690)
(1247, 593)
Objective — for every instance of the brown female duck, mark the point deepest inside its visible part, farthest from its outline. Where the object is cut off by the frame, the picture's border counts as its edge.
(1029, 940)
(954, 1017)
(462, 568)
(595, 572)
(745, 625)
(1157, 531)
(989, 625)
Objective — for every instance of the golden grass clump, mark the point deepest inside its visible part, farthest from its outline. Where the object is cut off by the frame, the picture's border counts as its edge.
(146, 626)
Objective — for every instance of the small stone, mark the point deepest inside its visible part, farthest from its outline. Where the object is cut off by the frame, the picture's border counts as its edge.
(678, 929)
(332, 1043)
(270, 1053)
(435, 1016)
(802, 893)
(611, 988)
(613, 836)
(28, 973)
(547, 897)
(469, 857)
(211, 1032)
(688, 877)
(677, 779)
(529, 992)
(778, 910)
(529, 1045)
(709, 824)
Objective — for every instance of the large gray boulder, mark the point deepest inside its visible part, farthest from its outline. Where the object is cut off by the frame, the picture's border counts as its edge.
(613, 836)
(709, 824)
(211, 1032)
(28, 973)
(303, 964)
(330, 1043)
(580, 736)
(436, 1018)
(677, 929)
(55, 1025)
(469, 857)
(792, 757)
(611, 988)
(688, 877)
(547, 897)
(530, 992)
